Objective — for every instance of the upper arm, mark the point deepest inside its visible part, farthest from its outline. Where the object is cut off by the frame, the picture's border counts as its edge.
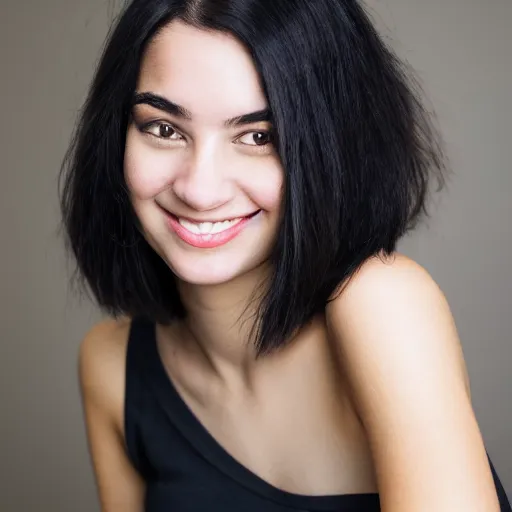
(101, 370)
(398, 343)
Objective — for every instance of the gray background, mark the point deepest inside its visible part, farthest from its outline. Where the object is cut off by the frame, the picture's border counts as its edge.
(48, 49)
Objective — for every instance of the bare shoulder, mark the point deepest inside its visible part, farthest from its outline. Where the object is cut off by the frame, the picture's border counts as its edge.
(106, 336)
(392, 304)
(398, 345)
(384, 270)
(102, 365)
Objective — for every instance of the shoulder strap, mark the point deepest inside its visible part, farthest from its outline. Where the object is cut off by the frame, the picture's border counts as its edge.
(139, 341)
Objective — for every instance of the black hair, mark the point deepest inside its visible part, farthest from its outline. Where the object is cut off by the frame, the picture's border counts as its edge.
(357, 145)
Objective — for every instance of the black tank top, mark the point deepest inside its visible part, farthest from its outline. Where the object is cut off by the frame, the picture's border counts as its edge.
(184, 467)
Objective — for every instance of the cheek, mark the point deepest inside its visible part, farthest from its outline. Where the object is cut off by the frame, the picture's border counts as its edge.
(266, 188)
(147, 172)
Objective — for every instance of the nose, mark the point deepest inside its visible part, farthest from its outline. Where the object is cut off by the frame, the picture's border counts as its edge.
(202, 184)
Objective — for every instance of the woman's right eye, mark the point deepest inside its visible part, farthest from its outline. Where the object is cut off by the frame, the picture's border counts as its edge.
(162, 130)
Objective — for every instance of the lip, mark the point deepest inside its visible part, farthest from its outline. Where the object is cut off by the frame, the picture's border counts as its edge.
(207, 241)
(199, 221)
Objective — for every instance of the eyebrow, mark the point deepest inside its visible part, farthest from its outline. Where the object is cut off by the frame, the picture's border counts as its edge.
(161, 103)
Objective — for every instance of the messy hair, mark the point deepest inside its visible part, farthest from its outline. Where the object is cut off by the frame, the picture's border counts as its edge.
(358, 148)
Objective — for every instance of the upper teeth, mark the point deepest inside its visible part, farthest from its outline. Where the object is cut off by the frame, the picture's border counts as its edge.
(208, 228)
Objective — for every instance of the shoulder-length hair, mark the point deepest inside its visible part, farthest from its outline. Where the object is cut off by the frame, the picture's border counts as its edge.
(357, 146)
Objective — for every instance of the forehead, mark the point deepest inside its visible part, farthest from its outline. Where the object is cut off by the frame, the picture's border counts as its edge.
(209, 73)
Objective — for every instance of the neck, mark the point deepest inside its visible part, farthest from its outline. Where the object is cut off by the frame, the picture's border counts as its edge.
(220, 318)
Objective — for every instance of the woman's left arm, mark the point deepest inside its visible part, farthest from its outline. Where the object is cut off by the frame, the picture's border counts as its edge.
(399, 347)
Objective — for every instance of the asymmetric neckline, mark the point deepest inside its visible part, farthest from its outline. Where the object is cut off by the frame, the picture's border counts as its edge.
(205, 444)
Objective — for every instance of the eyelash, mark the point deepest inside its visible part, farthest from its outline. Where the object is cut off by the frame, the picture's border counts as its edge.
(163, 140)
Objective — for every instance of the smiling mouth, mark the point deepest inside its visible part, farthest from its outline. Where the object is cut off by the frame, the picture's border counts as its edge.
(210, 227)
(208, 234)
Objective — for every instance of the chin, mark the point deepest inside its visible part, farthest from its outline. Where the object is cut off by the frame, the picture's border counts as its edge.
(212, 269)
(205, 276)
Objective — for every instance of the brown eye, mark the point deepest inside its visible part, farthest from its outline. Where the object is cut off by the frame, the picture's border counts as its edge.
(166, 131)
(255, 139)
(163, 131)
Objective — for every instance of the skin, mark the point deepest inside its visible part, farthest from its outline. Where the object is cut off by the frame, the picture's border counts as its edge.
(362, 385)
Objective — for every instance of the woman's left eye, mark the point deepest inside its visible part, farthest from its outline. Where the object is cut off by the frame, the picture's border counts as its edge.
(255, 139)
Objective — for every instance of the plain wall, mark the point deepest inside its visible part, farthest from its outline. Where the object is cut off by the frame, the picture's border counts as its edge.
(48, 49)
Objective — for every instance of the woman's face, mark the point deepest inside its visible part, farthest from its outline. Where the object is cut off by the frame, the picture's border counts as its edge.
(204, 178)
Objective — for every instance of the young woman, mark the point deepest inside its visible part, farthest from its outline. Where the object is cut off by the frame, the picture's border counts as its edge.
(238, 182)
